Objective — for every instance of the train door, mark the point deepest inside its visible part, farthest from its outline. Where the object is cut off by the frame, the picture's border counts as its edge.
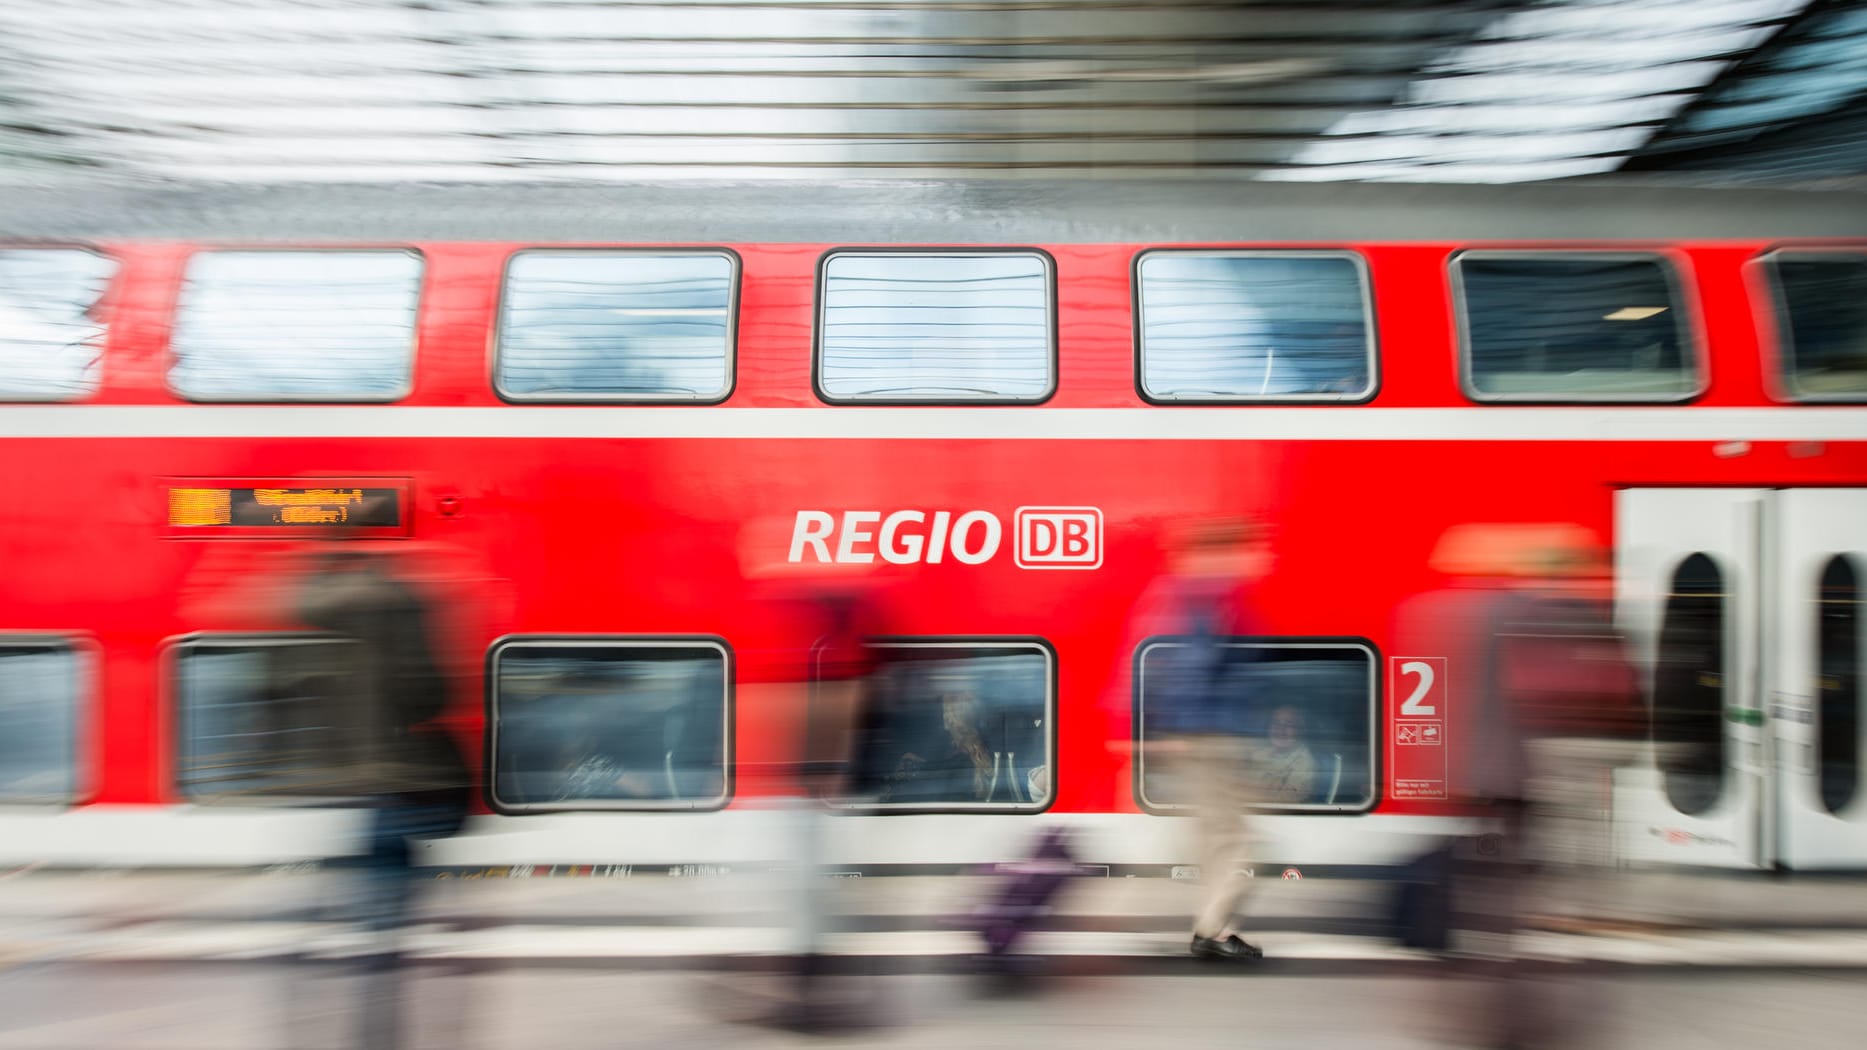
(1689, 592)
(1818, 539)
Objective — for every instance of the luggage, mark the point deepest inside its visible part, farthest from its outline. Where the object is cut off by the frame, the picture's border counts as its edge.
(1024, 892)
(1422, 914)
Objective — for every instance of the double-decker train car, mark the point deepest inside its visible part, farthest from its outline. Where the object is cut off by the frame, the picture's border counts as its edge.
(568, 406)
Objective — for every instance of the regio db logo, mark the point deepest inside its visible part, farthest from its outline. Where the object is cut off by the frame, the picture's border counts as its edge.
(1042, 537)
(1059, 537)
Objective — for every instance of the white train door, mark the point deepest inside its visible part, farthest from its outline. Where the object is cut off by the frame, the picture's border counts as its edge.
(1689, 592)
(1818, 540)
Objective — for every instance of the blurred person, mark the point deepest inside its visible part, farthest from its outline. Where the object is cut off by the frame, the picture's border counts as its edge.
(1282, 767)
(413, 776)
(1566, 667)
(829, 611)
(1529, 659)
(1197, 716)
(1487, 762)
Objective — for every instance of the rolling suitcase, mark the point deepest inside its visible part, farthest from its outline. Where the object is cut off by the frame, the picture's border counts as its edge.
(1024, 892)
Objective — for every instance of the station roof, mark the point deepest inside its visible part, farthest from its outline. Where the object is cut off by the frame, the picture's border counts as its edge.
(529, 91)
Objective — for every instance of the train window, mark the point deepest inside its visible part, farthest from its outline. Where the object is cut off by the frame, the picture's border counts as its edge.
(958, 724)
(41, 685)
(1595, 326)
(1306, 712)
(1838, 634)
(50, 333)
(602, 723)
(1688, 687)
(608, 326)
(296, 326)
(1255, 326)
(270, 716)
(1822, 306)
(956, 326)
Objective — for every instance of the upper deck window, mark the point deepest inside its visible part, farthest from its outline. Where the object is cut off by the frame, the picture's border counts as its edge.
(1822, 303)
(297, 326)
(50, 336)
(606, 326)
(954, 326)
(1251, 326)
(41, 683)
(1588, 326)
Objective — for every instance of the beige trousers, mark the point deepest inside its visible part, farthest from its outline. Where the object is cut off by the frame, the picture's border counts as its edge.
(1213, 768)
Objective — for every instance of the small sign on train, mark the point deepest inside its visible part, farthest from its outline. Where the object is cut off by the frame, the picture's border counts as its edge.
(1416, 752)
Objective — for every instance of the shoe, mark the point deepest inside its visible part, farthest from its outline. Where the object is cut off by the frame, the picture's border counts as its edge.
(1232, 947)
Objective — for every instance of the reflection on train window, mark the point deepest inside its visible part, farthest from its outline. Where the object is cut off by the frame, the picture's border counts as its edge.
(296, 326)
(1838, 640)
(1305, 711)
(1241, 327)
(1822, 302)
(1688, 687)
(41, 683)
(50, 334)
(609, 724)
(269, 717)
(602, 326)
(950, 327)
(957, 724)
(1572, 327)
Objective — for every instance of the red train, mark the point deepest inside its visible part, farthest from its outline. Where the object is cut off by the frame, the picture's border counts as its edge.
(570, 403)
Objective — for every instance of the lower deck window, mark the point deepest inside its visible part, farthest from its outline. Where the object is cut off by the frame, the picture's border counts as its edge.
(609, 724)
(40, 685)
(957, 724)
(1301, 714)
(270, 716)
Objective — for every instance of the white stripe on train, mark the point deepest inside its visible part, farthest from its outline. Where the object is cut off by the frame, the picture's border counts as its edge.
(201, 836)
(1801, 423)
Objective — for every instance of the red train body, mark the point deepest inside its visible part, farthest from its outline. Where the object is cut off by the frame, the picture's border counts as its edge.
(621, 520)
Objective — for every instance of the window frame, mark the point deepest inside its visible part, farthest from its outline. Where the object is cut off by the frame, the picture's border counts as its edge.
(1369, 326)
(401, 393)
(1674, 268)
(736, 268)
(1376, 717)
(1779, 352)
(85, 703)
(728, 698)
(176, 718)
(820, 313)
(1052, 757)
(106, 304)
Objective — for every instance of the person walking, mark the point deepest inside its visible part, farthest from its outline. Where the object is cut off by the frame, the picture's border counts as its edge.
(1198, 706)
(409, 770)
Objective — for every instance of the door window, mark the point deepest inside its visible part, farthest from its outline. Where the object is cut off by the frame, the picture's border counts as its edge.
(1838, 635)
(1688, 687)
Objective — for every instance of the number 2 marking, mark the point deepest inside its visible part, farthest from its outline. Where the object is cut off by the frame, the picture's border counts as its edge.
(1413, 706)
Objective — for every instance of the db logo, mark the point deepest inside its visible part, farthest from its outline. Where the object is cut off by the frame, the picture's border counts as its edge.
(1058, 537)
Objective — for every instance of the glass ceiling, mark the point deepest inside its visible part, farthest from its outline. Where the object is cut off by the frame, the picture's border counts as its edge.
(576, 90)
